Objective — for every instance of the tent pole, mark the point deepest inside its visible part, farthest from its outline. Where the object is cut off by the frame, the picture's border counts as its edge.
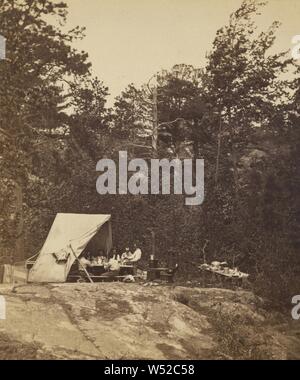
(86, 272)
(153, 242)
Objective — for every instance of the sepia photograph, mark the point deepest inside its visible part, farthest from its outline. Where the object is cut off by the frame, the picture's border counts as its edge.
(149, 182)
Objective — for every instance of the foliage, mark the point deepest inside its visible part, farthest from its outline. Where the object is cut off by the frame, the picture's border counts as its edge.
(238, 113)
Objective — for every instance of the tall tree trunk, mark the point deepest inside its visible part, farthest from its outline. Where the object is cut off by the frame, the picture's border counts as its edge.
(218, 149)
(18, 255)
(155, 123)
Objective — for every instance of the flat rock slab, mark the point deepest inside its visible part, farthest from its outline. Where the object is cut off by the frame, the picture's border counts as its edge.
(127, 321)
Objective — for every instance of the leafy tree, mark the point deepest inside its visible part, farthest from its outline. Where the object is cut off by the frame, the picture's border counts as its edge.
(90, 118)
(243, 82)
(181, 108)
(253, 124)
(174, 105)
(128, 113)
(34, 93)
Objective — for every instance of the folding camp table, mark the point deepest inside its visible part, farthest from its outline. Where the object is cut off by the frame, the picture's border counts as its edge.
(97, 274)
(221, 275)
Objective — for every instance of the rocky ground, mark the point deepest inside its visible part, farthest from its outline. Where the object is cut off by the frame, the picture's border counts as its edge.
(132, 321)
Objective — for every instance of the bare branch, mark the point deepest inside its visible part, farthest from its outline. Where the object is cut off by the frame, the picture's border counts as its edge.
(171, 122)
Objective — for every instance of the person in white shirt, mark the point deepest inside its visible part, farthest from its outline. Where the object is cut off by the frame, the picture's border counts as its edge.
(127, 255)
(136, 255)
(112, 267)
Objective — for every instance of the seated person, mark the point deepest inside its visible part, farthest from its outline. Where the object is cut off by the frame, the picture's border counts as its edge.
(112, 267)
(102, 260)
(99, 260)
(127, 255)
(94, 260)
(135, 256)
(115, 255)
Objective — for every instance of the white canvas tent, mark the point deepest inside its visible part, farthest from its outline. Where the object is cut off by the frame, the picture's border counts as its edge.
(70, 233)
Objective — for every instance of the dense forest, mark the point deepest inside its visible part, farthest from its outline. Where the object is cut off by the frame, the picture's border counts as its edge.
(239, 113)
